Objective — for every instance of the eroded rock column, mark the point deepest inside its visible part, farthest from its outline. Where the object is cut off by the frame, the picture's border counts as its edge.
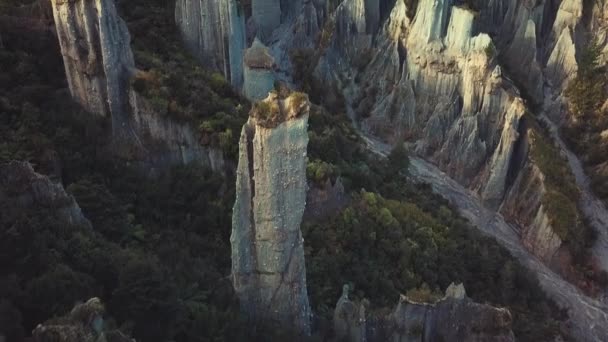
(268, 271)
(215, 32)
(95, 45)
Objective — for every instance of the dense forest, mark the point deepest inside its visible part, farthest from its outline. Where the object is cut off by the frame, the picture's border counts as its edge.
(159, 251)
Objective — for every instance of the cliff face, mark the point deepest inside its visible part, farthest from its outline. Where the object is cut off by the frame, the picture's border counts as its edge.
(454, 81)
(95, 45)
(453, 318)
(215, 32)
(21, 186)
(268, 269)
(99, 65)
(83, 324)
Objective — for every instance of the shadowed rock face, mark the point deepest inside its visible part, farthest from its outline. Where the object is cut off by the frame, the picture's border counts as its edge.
(22, 187)
(453, 318)
(95, 45)
(268, 270)
(215, 32)
(83, 324)
(267, 17)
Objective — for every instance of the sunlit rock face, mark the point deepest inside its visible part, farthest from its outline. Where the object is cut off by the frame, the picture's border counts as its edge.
(95, 45)
(268, 270)
(215, 32)
(453, 318)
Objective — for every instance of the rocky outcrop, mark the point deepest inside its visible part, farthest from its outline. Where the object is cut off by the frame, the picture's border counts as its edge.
(95, 45)
(268, 270)
(259, 75)
(523, 205)
(170, 142)
(21, 187)
(83, 324)
(453, 318)
(215, 32)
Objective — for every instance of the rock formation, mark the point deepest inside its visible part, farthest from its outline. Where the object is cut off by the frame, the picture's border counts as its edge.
(21, 186)
(268, 270)
(259, 75)
(215, 32)
(95, 45)
(83, 324)
(267, 17)
(453, 318)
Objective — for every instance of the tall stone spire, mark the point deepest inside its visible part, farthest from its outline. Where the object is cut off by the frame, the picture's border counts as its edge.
(268, 271)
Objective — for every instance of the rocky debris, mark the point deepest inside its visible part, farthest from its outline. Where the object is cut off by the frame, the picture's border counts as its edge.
(95, 45)
(562, 66)
(259, 75)
(83, 324)
(453, 318)
(215, 32)
(22, 187)
(268, 269)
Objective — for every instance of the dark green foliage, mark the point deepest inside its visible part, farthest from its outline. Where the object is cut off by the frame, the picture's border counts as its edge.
(402, 246)
(158, 252)
(587, 92)
(174, 82)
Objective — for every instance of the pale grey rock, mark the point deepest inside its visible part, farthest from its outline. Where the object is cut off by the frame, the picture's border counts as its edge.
(268, 270)
(453, 318)
(95, 45)
(523, 206)
(301, 32)
(562, 66)
(456, 291)
(599, 26)
(521, 57)
(259, 75)
(267, 17)
(568, 15)
(496, 184)
(430, 21)
(84, 323)
(21, 187)
(170, 142)
(350, 36)
(215, 32)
